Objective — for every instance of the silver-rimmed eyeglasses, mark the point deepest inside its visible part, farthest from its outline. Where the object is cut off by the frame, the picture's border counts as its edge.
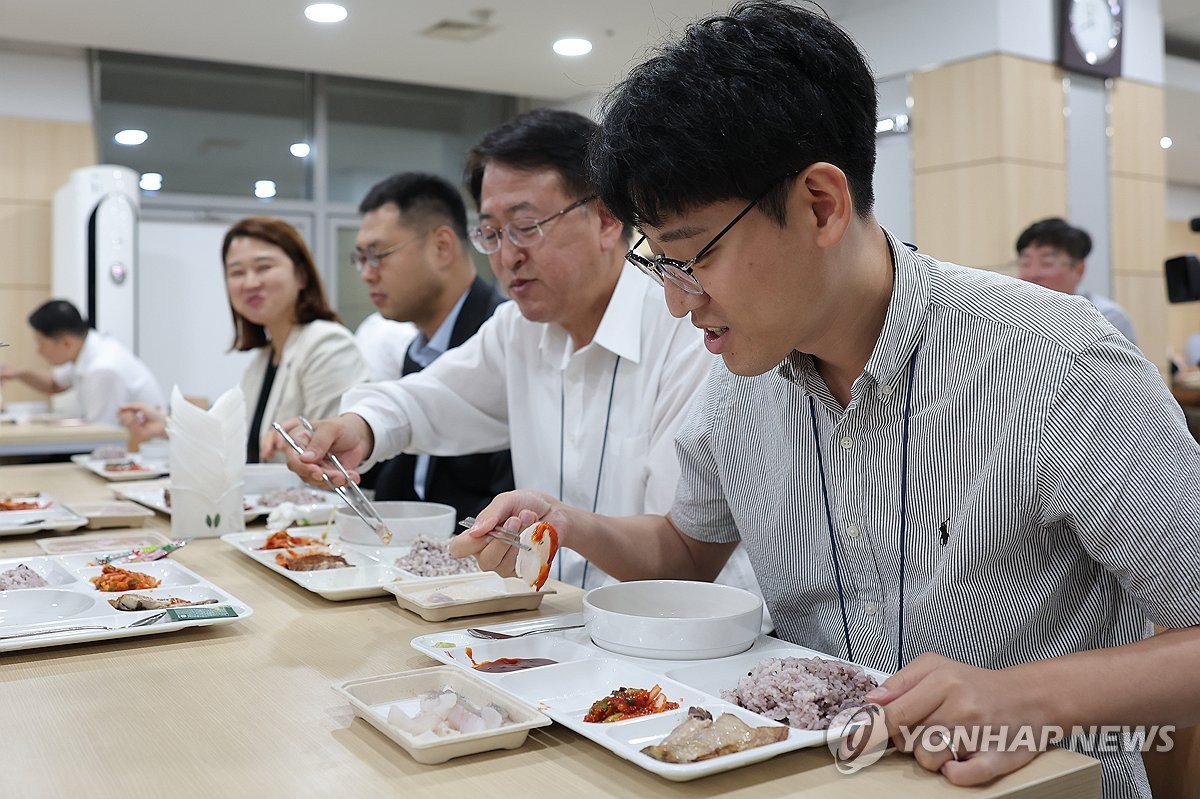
(361, 259)
(662, 268)
(521, 232)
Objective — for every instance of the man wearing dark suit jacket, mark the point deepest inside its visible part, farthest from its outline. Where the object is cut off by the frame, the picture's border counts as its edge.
(412, 253)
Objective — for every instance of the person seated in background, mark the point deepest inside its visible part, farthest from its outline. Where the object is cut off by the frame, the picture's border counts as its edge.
(383, 344)
(105, 374)
(585, 375)
(304, 358)
(1053, 254)
(938, 471)
(1191, 351)
(411, 252)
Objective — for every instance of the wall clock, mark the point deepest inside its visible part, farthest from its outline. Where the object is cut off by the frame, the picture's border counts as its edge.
(1091, 36)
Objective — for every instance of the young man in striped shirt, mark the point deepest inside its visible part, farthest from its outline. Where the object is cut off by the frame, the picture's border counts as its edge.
(936, 471)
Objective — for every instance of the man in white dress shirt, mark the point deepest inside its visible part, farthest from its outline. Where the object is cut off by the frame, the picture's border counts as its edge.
(104, 372)
(383, 343)
(585, 375)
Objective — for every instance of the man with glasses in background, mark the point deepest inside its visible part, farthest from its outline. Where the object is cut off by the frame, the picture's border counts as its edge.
(411, 252)
(586, 375)
(1053, 254)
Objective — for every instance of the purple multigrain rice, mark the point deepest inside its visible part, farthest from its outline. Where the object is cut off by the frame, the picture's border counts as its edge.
(21, 577)
(803, 692)
(430, 557)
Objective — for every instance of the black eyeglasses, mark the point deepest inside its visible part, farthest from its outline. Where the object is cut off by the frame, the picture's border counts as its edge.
(662, 268)
(361, 259)
(521, 232)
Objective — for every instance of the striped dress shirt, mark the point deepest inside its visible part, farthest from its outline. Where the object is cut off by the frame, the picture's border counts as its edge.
(1053, 490)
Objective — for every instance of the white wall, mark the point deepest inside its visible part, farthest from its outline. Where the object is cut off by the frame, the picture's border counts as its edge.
(1183, 202)
(44, 83)
(186, 328)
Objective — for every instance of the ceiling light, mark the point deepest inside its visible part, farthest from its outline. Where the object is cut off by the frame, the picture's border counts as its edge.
(572, 47)
(300, 149)
(1165, 142)
(264, 189)
(150, 181)
(131, 137)
(325, 12)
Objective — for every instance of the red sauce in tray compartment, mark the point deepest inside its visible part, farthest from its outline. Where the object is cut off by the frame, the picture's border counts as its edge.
(500, 665)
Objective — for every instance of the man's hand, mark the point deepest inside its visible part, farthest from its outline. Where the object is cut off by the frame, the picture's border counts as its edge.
(348, 436)
(969, 702)
(514, 511)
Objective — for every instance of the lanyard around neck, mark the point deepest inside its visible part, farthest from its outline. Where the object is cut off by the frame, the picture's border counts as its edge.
(562, 446)
(837, 567)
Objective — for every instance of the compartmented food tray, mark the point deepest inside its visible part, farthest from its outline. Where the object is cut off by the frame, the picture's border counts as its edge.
(564, 673)
(51, 600)
(128, 467)
(374, 698)
(153, 495)
(368, 571)
(28, 513)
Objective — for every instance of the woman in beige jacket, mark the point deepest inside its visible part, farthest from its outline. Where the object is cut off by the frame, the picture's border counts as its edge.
(304, 358)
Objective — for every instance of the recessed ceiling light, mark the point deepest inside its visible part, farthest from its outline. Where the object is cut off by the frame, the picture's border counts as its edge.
(264, 189)
(325, 12)
(572, 47)
(131, 137)
(1165, 142)
(300, 149)
(150, 181)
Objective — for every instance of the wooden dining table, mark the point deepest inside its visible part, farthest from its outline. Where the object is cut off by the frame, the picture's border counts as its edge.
(23, 438)
(248, 709)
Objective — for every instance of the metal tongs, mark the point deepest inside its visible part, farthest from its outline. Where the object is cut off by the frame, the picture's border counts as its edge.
(350, 493)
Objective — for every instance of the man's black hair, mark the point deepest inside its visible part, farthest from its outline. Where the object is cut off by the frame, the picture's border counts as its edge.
(543, 138)
(729, 109)
(424, 201)
(58, 317)
(1059, 234)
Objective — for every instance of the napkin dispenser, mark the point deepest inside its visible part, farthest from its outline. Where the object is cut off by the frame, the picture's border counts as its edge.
(208, 460)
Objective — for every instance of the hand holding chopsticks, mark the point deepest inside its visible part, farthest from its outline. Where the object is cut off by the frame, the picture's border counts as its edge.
(510, 537)
(350, 493)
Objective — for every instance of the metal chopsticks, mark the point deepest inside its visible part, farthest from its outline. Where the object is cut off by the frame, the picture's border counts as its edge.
(510, 537)
(350, 493)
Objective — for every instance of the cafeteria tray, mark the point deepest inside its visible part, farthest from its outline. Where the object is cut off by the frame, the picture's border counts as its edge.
(50, 514)
(583, 673)
(70, 600)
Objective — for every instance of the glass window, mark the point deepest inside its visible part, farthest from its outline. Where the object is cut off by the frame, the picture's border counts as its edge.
(377, 129)
(212, 129)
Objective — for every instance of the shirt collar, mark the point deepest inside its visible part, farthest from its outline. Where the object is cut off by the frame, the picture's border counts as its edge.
(620, 329)
(87, 353)
(425, 351)
(903, 325)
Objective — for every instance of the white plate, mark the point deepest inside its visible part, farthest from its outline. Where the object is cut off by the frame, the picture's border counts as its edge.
(373, 567)
(52, 516)
(149, 468)
(72, 601)
(374, 697)
(584, 673)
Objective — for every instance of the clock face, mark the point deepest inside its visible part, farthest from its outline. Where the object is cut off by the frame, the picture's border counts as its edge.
(1096, 29)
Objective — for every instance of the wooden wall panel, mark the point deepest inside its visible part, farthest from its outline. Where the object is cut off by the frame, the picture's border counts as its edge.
(972, 215)
(1137, 191)
(1137, 119)
(987, 108)
(24, 244)
(37, 156)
